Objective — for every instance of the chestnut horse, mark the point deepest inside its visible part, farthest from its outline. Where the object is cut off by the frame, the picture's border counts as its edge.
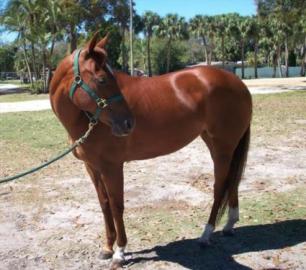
(140, 118)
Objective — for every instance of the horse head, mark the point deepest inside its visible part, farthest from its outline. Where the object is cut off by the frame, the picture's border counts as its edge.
(95, 90)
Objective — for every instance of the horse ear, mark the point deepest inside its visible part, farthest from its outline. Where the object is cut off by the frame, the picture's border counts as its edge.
(102, 43)
(93, 42)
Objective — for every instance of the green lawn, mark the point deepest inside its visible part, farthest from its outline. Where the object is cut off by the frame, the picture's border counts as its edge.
(279, 116)
(24, 96)
(275, 116)
(36, 130)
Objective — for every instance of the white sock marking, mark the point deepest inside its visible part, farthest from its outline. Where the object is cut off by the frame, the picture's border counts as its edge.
(119, 254)
(233, 217)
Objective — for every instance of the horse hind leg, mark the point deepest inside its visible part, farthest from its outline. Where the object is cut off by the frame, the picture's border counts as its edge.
(233, 213)
(240, 157)
(229, 161)
(221, 169)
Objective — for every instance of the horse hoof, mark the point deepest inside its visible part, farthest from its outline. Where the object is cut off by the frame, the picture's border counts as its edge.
(116, 264)
(228, 232)
(106, 255)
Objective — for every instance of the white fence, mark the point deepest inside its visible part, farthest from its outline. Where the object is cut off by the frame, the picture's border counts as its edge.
(267, 72)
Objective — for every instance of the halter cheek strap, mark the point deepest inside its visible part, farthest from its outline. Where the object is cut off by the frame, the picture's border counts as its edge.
(102, 103)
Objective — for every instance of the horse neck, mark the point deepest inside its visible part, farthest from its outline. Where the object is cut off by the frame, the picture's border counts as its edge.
(123, 79)
(72, 118)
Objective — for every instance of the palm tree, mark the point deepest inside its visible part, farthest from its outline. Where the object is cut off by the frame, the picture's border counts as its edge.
(254, 34)
(199, 28)
(150, 20)
(14, 20)
(172, 27)
(237, 27)
(52, 22)
(243, 33)
(221, 29)
(211, 34)
(300, 37)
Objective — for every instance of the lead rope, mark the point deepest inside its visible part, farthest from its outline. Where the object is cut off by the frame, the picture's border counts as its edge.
(77, 143)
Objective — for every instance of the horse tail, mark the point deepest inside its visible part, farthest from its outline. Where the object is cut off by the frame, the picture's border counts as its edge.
(236, 171)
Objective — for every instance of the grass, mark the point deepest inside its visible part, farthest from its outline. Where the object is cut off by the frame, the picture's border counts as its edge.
(266, 208)
(30, 136)
(274, 206)
(274, 116)
(279, 116)
(23, 96)
(36, 130)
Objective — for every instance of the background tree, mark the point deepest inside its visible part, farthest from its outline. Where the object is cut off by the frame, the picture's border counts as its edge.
(150, 21)
(253, 32)
(199, 28)
(221, 30)
(172, 27)
(7, 55)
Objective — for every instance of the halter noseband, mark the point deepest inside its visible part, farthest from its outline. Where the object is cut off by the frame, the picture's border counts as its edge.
(102, 103)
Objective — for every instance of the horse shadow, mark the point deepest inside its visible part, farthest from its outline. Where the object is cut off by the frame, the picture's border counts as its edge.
(188, 254)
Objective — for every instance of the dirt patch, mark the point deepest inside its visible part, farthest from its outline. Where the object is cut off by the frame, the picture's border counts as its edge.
(52, 220)
(56, 223)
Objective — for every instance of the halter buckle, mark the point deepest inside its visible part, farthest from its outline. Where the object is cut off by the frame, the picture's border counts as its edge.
(78, 79)
(102, 103)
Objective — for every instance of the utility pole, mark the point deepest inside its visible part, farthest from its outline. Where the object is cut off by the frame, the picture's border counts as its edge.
(131, 38)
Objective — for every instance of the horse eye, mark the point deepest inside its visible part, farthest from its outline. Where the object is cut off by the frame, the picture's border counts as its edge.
(101, 80)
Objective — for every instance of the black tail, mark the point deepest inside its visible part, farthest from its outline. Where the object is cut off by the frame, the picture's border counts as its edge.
(236, 170)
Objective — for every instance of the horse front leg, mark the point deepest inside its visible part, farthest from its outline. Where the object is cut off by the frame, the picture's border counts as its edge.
(107, 250)
(113, 180)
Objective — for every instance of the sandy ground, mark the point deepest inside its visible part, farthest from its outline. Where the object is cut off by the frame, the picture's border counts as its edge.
(52, 220)
(25, 106)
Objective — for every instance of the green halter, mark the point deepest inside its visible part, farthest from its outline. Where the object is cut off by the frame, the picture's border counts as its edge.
(78, 82)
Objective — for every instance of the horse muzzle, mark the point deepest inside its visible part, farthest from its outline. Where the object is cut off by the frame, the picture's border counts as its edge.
(123, 128)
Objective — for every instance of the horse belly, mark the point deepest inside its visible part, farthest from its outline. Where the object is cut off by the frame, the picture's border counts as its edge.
(154, 142)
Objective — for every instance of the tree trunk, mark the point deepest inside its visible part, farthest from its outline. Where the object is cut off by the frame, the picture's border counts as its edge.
(149, 55)
(303, 62)
(49, 65)
(44, 77)
(124, 52)
(205, 50)
(211, 49)
(255, 59)
(26, 60)
(274, 59)
(279, 61)
(28, 69)
(73, 38)
(223, 56)
(303, 65)
(242, 59)
(209, 56)
(286, 57)
(36, 73)
(168, 56)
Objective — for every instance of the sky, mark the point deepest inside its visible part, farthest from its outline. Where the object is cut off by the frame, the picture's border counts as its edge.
(185, 8)
(190, 8)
